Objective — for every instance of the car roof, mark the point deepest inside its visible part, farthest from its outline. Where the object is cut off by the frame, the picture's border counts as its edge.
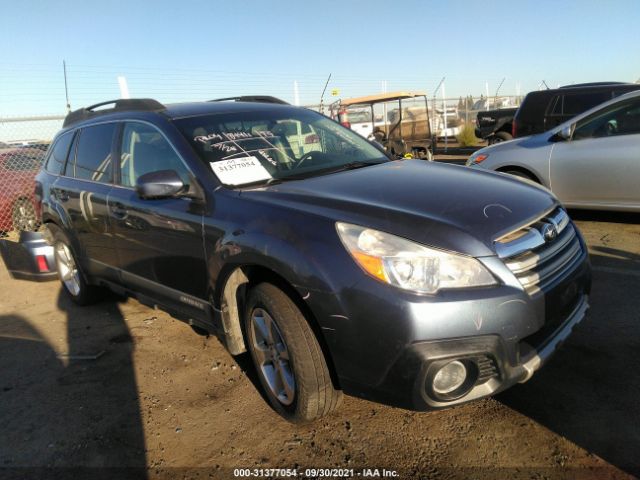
(145, 109)
(181, 110)
(142, 108)
(586, 88)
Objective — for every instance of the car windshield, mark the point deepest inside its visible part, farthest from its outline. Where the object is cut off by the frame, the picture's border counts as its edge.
(276, 145)
(359, 116)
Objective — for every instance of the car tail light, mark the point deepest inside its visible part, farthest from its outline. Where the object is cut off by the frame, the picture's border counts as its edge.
(514, 128)
(43, 266)
(311, 139)
(37, 194)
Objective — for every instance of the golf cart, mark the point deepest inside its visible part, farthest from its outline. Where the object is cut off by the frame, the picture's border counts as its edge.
(398, 120)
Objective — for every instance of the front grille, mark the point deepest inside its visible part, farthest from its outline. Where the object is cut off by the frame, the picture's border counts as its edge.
(536, 255)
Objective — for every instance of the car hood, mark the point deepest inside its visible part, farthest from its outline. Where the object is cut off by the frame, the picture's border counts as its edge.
(446, 206)
(517, 144)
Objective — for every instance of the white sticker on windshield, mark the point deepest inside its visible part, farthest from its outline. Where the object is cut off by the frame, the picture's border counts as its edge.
(238, 171)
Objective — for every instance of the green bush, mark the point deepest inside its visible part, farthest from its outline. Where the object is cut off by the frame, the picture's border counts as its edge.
(467, 136)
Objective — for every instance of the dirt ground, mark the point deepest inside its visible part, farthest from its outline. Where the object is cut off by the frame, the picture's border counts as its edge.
(118, 390)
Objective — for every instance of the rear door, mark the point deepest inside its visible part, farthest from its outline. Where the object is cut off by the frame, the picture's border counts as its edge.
(601, 164)
(82, 193)
(159, 241)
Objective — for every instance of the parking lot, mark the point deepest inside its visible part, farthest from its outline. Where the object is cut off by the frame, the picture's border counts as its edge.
(120, 385)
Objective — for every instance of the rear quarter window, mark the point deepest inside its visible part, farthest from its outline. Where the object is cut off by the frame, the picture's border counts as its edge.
(576, 103)
(93, 153)
(58, 154)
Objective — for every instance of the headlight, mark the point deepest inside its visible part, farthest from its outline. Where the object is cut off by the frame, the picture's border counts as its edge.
(477, 158)
(409, 265)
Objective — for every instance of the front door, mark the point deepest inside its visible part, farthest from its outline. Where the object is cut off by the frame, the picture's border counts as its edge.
(600, 165)
(159, 242)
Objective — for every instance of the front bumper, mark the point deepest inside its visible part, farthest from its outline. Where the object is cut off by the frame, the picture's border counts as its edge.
(407, 383)
(386, 344)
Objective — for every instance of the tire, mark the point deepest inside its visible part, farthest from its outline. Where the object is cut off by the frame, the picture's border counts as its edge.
(71, 276)
(23, 216)
(428, 155)
(521, 174)
(299, 388)
(500, 137)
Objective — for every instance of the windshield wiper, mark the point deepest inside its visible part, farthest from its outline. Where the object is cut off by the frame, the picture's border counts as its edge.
(300, 176)
(333, 169)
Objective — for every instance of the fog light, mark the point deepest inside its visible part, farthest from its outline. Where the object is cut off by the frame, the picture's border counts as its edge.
(449, 378)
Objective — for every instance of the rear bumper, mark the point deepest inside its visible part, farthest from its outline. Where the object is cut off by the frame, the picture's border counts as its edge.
(31, 258)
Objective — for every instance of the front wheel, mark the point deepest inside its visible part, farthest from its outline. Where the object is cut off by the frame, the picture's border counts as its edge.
(521, 174)
(288, 358)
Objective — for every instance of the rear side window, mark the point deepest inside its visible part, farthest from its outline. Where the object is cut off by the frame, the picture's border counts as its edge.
(580, 102)
(59, 153)
(93, 153)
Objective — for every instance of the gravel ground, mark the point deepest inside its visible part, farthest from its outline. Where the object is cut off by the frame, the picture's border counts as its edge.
(118, 390)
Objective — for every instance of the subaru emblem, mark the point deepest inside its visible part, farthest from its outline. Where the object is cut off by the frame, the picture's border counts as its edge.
(549, 232)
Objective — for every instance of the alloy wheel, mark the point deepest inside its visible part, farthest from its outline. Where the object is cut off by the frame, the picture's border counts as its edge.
(272, 356)
(67, 268)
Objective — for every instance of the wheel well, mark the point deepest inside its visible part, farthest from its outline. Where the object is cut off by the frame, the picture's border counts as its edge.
(521, 170)
(233, 294)
(505, 127)
(21, 199)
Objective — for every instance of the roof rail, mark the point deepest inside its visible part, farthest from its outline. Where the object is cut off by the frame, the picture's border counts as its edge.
(120, 105)
(594, 84)
(252, 98)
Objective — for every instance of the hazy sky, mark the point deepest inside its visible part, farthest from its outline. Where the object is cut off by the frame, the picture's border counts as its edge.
(196, 50)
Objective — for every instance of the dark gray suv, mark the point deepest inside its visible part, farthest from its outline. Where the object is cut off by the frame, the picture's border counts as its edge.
(412, 283)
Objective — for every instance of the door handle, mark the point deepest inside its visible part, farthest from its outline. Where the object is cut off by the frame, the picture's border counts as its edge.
(62, 195)
(119, 211)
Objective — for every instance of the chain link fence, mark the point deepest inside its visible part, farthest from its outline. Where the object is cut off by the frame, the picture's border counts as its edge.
(23, 145)
(447, 116)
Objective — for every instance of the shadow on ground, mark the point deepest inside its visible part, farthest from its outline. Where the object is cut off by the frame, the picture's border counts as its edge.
(590, 391)
(78, 410)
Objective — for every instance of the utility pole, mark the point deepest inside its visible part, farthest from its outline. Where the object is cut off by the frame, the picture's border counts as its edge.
(296, 94)
(444, 114)
(434, 124)
(486, 93)
(495, 97)
(66, 88)
(124, 87)
(322, 95)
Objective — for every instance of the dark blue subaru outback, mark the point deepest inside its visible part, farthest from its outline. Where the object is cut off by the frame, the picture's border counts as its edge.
(406, 282)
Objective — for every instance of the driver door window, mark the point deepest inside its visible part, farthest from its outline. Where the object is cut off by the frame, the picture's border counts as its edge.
(618, 119)
(143, 150)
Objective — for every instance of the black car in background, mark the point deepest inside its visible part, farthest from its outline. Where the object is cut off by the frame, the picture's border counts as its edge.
(544, 109)
(412, 283)
(495, 125)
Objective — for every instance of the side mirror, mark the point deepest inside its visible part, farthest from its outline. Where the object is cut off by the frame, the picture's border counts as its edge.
(160, 184)
(564, 135)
